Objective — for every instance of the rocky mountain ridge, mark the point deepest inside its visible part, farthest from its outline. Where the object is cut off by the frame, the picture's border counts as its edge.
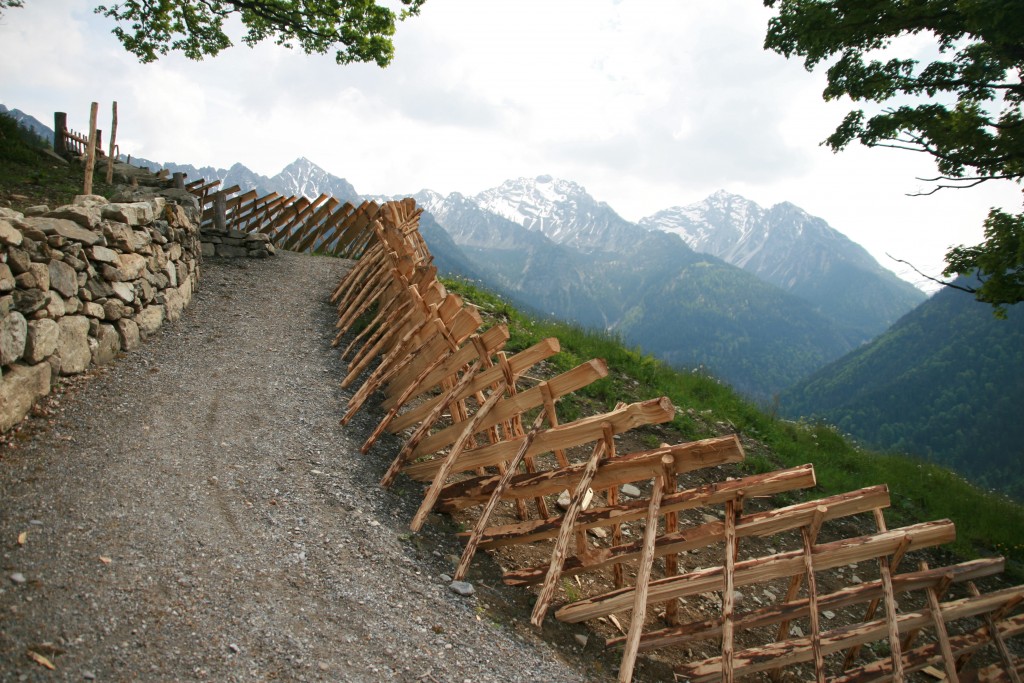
(801, 253)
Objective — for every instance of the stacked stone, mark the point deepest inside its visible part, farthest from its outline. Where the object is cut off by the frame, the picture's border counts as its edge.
(83, 282)
(236, 244)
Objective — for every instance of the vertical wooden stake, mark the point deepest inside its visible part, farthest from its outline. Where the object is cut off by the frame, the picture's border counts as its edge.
(513, 428)
(113, 139)
(220, 211)
(90, 152)
(933, 593)
(895, 651)
(60, 128)
(430, 497)
(566, 532)
(808, 534)
(424, 428)
(492, 502)
(727, 596)
(643, 572)
(671, 527)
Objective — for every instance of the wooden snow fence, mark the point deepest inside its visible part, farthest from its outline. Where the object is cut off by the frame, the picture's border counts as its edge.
(482, 432)
(323, 225)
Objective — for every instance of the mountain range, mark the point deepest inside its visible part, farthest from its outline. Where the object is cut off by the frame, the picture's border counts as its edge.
(30, 122)
(800, 253)
(946, 383)
(301, 178)
(753, 317)
(549, 245)
(759, 298)
(772, 300)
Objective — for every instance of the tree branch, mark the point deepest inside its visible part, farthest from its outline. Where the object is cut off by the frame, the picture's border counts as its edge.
(969, 290)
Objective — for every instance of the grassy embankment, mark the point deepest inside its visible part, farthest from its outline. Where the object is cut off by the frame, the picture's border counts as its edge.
(986, 523)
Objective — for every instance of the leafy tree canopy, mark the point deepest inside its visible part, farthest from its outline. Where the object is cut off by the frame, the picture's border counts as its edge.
(963, 107)
(357, 30)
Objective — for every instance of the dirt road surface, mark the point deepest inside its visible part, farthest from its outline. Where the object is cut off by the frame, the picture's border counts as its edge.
(195, 512)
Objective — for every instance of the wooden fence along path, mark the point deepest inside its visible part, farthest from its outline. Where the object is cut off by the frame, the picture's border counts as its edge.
(482, 433)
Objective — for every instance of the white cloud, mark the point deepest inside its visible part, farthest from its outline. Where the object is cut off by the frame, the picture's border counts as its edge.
(647, 104)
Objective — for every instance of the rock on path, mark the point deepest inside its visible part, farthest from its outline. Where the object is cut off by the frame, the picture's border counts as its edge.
(197, 513)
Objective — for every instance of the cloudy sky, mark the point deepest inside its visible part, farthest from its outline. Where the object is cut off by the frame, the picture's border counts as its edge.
(646, 103)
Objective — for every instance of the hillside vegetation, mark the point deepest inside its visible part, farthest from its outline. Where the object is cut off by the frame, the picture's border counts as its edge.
(986, 523)
(946, 383)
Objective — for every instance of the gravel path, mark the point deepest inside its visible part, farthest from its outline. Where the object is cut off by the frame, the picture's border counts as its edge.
(195, 512)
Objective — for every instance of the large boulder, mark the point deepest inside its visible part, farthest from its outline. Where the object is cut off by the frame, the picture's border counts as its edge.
(13, 333)
(73, 344)
(9, 235)
(130, 266)
(135, 213)
(149, 319)
(68, 229)
(86, 216)
(106, 346)
(21, 386)
(42, 339)
(63, 278)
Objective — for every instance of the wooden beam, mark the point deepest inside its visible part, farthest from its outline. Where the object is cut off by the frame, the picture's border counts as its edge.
(520, 363)
(1004, 652)
(581, 431)
(470, 427)
(755, 486)
(798, 650)
(761, 569)
(620, 470)
(963, 646)
(708, 629)
(485, 515)
(421, 432)
(563, 384)
(753, 525)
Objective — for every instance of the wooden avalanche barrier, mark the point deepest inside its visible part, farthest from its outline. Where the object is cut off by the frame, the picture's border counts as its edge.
(482, 433)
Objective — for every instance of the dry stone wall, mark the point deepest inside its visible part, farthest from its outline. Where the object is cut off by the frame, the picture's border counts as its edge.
(83, 282)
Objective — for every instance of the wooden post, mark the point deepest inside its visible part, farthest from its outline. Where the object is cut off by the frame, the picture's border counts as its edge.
(60, 127)
(113, 139)
(808, 534)
(430, 497)
(90, 153)
(481, 523)
(220, 211)
(671, 527)
(547, 591)
(425, 426)
(728, 591)
(643, 572)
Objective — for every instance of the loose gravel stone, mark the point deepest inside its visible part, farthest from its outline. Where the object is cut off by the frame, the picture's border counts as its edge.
(462, 588)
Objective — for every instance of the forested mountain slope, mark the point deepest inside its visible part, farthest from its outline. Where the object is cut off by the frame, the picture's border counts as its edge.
(946, 383)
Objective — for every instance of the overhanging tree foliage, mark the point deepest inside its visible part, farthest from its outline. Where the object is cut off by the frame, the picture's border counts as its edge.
(358, 30)
(962, 107)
